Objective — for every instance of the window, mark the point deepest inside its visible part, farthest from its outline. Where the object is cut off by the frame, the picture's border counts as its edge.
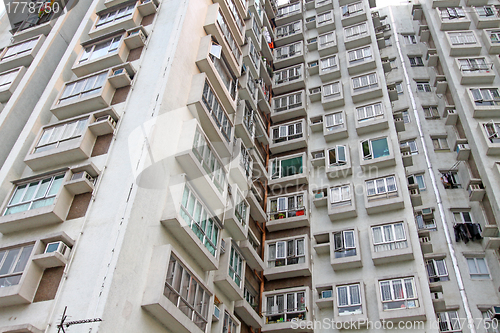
(440, 143)
(399, 88)
(491, 325)
(287, 206)
(288, 10)
(246, 161)
(389, 237)
(431, 112)
(450, 179)
(288, 102)
(399, 294)
(285, 307)
(370, 112)
(235, 266)
(286, 167)
(110, 17)
(349, 299)
(420, 182)
(33, 195)
(452, 13)
(250, 295)
(326, 40)
(436, 269)
(187, 293)
(287, 75)
(12, 264)
(83, 88)
(228, 79)
(385, 185)
(229, 325)
(478, 268)
(356, 30)
(406, 117)
(344, 244)
(221, 21)
(368, 81)
(288, 51)
(351, 9)
(494, 36)
(337, 156)
(215, 109)
(425, 220)
(328, 64)
(412, 144)
(360, 55)
(375, 148)
(285, 253)
(462, 38)
(7, 78)
(485, 11)
(324, 18)
(100, 49)
(241, 210)
(331, 90)
(288, 29)
(205, 226)
(416, 61)
(485, 96)
(423, 87)
(334, 121)
(209, 160)
(394, 63)
(288, 132)
(19, 49)
(340, 196)
(61, 136)
(474, 65)
(236, 15)
(493, 131)
(410, 39)
(449, 321)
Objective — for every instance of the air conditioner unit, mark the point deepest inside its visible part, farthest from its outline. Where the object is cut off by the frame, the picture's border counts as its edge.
(313, 64)
(315, 90)
(216, 314)
(222, 247)
(107, 118)
(326, 293)
(427, 212)
(59, 247)
(83, 174)
(494, 312)
(414, 191)
(118, 71)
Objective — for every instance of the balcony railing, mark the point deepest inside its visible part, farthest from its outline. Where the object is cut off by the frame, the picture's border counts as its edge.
(228, 36)
(219, 115)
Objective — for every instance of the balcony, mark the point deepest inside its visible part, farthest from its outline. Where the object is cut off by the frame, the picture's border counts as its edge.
(253, 30)
(289, 33)
(121, 16)
(251, 58)
(335, 126)
(325, 21)
(288, 13)
(256, 211)
(289, 79)
(271, 8)
(293, 265)
(343, 254)
(289, 106)
(485, 17)
(21, 53)
(264, 94)
(216, 25)
(329, 69)
(357, 35)
(218, 72)
(484, 102)
(70, 147)
(327, 44)
(12, 79)
(463, 43)
(288, 212)
(475, 71)
(406, 309)
(248, 89)
(249, 248)
(341, 202)
(288, 170)
(323, 5)
(453, 18)
(288, 136)
(290, 317)
(205, 106)
(237, 216)
(288, 55)
(394, 250)
(234, 12)
(491, 135)
(332, 95)
(244, 123)
(229, 281)
(259, 170)
(248, 312)
(241, 168)
(261, 127)
(353, 14)
(491, 40)
(388, 199)
(90, 93)
(476, 190)
(376, 152)
(365, 87)
(368, 123)
(338, 162)
(361, 60)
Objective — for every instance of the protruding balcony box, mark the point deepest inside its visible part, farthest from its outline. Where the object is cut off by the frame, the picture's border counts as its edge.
(234, 222)
(175, 224)
(282, 109)
(290, 217)
(359, 40)
(259, 171)
(235, 21)
(282, 322)
(345, 262)
(491, 40)
(85, 101)
(475, 73)
(71, 149)
(241, 166)
(387, 160)
(213, 192)
(219, 136)
(227, 95)
(364, 93)
(158, 304)
(338, 170)
(394, 255)
(244, 124)
(253, 30)
(399, 122)
(222, 278)
(375, 124)
(492, 139)
(330, 73)
(264, 46)
(340, 210)
(24, 328)
(261, 130)
(256, 211)
(213, 27)
(289, 79)
(384, 202)
(288, 136)
(322, 25)
(355, 316)
(263, 95)
(325, 296)
(486, 111)
(362, 65)
(453, 23)
(248, 89)
(248, 314)
(251, 58)
(492, 20)
(34, 25)
(288, 270)
(41, 216)
(15, 55)
(276, 176)
(289, 33)
(288, 55)
(7, 90)
(446, 3)
(476, 190)
(240, 6)
(415, 196)
(332, 98)
(336, 131)
(315, 94)
(126, 22)
(327, 44)
(406, 156)
(249, 248)
(358, 16)
(397, 315)
(465, 49)
(288, 13)
(322, 243)
(323, 5)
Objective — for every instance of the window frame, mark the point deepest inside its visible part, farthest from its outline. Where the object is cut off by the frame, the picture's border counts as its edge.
(368, 155)
(404, 296)
(435, 272)
(390, 242)
(286, 252)
(360, 55)
(377, 112)
(347, 247)
(282, 206)
(377, 188)
(478, 275)
(14, 266)
(334, 121)
(79, 89)
(117, 15)
(372, 82)
(350, 303)
(344, 195)
(450, 322)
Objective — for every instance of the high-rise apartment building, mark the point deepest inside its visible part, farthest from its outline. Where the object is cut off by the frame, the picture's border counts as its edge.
(234, 166)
